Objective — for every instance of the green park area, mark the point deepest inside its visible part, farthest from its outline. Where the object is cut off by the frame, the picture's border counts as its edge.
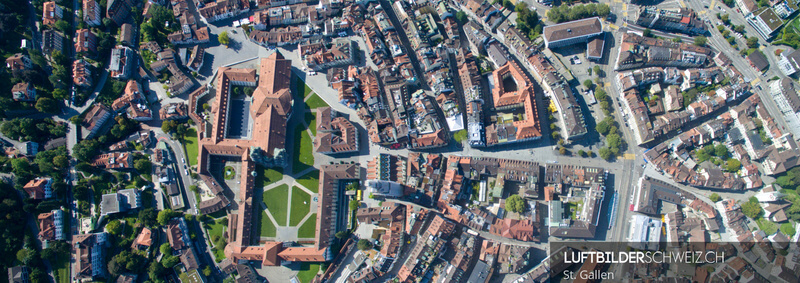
(267, 228)
(315, 102)
(309, 228)
(311, 120)
(303, 156)
(190, 146)
(215, 229)
(310, 180)
(308, 271)
(302, 88)
(301, 202)
(277, 200)
(230, 173)
(267, 176)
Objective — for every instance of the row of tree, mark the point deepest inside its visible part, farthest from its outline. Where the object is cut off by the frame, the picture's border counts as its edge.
(565, 13)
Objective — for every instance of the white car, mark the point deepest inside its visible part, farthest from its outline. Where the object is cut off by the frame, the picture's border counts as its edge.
(183, 160)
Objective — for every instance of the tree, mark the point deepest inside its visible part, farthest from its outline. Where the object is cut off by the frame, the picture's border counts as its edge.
(752, 42)
(60, 94)
(26, 256)
(462, 17)
(752, 209)
(165, 249)
(788, 229)
(725, 19)
(62, 26)
(733, 165)
(156, 270)
(515, 203)
(148, 216)
(508, 5)
(588, 84)
(165, 215)
(605, 125)
(700, 41)
(85, 150)
(39, 276)
(726, 33)
(721, 151)
(714, 197)
(47, 105)
(341, 235)
(582, 153)
(598, 71)
(61, 161)
(354, 204)
(562, 150)
(207, 271)
(605, 153)
(114, 227)
(603, 10)
(143, 166)
(739, 29)
(170, 261)
(720, 28)
(224, 39)
(647, 33)
(168, 126)
(364, 244)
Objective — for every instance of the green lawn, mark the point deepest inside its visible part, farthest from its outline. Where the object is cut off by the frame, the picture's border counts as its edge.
(315, 102)
(215, 227)
(219, 214)
(190, 146)
(276, 200)
(767, 226)
(310, 180)
(62, 269)
(268, 176)
(788, 229)
(308, 271)
(309, 228)
(303, 156)
(229, 173)
(267, 227)
(302, 86)
(301, 202)
(311, 120)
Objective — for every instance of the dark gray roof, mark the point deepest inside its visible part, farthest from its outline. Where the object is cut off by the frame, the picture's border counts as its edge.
(790, 93)
(759, 60)
(479, 272)
(18, 274)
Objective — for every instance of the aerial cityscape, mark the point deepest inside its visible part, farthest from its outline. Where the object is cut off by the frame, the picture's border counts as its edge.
(473, 141)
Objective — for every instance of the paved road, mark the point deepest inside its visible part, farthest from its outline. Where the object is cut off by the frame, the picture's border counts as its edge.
(179, 166)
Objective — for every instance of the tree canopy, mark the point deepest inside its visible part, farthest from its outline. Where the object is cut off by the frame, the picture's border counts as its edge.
(566, 13)
(224, 39)
(515, 203)
(364, 244)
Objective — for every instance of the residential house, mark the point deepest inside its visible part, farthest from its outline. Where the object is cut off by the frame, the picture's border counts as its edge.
(85, 42)
(95, 120)
(51, 13)
(119, 10)
(92, 13)
(39, 188)
(19, 62)
(23, 92)
(90, 255)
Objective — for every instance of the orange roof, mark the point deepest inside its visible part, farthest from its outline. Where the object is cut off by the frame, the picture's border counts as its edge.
(145, 238)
